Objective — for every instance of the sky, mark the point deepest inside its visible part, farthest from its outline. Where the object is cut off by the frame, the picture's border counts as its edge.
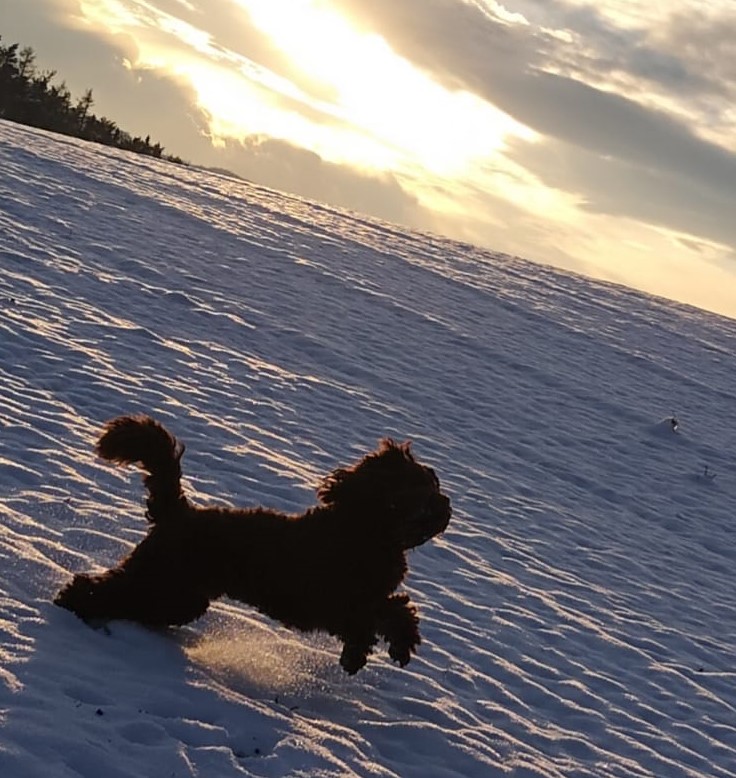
(593, 137)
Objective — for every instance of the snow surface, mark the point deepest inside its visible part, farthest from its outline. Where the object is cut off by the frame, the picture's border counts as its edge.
(579, 616)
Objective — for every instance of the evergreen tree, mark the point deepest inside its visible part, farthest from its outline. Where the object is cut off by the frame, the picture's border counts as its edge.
(28, 96)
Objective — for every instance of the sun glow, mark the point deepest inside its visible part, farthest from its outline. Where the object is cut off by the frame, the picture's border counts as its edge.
(337, 91)
(239, 108)
(380, 94)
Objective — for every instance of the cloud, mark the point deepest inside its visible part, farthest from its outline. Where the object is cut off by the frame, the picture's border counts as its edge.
(616, 187)
(705, 43)
(284, 166)
(638, 148)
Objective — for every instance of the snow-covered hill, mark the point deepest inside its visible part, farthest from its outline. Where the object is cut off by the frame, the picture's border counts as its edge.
(579, 615)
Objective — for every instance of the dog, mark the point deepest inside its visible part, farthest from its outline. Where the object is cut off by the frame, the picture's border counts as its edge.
(335, 568)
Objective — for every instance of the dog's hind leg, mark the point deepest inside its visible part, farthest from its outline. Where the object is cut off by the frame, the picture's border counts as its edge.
(398, 624)
(119, 595)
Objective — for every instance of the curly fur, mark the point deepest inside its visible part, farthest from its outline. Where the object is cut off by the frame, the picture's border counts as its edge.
(334, 568)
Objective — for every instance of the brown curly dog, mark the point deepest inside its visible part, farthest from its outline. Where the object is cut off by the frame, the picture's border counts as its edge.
(334, 568)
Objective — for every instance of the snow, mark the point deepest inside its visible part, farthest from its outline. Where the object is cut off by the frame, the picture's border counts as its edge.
(578, 616)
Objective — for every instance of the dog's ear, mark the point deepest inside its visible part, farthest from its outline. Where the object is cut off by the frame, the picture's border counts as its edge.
(389, 444)
(332, 485)
(358, 483)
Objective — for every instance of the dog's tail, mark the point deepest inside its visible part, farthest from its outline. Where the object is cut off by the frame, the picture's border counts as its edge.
(129, 440)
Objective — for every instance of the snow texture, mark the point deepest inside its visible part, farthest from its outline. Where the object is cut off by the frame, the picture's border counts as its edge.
(579, 616)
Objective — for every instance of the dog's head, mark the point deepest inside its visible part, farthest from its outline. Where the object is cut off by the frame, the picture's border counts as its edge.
(400, 495)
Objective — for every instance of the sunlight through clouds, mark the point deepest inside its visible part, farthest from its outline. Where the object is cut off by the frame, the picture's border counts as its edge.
(114, 15)
(238, 107)
(373, 109)
(380, 91)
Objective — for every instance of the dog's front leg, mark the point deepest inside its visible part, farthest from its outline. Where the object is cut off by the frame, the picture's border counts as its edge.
(398, 623)
(358, 642)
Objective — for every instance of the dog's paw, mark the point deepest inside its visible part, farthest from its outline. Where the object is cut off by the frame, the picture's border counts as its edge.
(400, 654)
(352, 659)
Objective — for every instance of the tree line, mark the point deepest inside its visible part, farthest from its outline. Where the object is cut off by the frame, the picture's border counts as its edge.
(30, 96)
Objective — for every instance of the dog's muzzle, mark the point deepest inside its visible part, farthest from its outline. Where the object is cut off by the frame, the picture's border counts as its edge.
(428, 521)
